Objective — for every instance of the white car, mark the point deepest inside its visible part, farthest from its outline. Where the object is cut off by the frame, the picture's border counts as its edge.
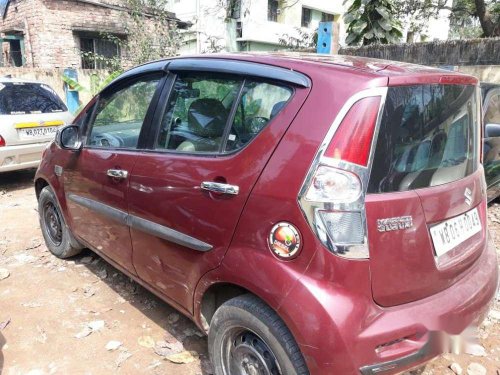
(30, 114)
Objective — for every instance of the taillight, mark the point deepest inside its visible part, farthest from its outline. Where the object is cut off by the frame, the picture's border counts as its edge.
(332, 196)
(2, 141)
(333, 185)
(353, 139)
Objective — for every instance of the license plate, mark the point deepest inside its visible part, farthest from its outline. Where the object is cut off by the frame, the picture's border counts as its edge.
(39, 132)
(451, 233)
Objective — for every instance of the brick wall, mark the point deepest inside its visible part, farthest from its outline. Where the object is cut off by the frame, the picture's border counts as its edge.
(22, 15)
(51, 28)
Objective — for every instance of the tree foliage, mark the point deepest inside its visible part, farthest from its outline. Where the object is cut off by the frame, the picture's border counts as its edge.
(151, 33)
(301, 40)
(372, 21)
(468, 18)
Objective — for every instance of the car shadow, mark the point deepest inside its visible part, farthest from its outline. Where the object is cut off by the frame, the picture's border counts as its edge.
(16, 180)
(151, 306)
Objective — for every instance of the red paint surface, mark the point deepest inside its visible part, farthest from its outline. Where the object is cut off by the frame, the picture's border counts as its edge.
(87, 178)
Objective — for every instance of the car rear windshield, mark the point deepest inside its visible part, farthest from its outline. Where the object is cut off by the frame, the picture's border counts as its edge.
(427, 137)
(19, 98)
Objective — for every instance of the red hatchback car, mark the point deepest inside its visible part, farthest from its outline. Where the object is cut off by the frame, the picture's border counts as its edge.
(312, 214)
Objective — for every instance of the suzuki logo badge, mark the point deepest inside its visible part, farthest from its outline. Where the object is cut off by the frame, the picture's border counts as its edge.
(468, 196)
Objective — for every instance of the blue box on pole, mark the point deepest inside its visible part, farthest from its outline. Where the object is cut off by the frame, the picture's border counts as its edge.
(72, 96)
(328, 35)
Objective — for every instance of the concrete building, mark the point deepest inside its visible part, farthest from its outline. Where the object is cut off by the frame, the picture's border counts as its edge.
(250, 25)
(53, 33)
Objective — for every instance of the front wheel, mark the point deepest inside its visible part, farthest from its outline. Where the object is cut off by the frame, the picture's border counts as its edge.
(58, 237)
(247, 337)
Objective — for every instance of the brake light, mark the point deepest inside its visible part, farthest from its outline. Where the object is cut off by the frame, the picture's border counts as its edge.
(2, 141)
(332, 196)
(353, 139)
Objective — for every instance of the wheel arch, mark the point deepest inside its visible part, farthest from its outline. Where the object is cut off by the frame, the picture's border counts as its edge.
(40, 183)
(222, 284)
(212, 297)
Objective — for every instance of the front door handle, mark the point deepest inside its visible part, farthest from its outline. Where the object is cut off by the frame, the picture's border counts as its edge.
(217, 187)
(117, 173)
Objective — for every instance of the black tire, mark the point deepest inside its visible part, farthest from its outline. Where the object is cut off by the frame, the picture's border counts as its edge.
(244, 332)
(56, 233)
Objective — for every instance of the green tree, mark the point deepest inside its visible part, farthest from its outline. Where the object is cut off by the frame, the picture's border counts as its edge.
(302, 40)
(151, 32)
(468, 18)
(481, 15)
(372, 21)
(151, 35)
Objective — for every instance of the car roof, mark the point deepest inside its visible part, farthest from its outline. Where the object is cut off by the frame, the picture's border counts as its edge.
(394, 72)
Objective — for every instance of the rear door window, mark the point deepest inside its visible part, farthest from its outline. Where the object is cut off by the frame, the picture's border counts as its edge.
(259, 104)
(197, 113)
(427, 137)
(209, 113)
(19, 98)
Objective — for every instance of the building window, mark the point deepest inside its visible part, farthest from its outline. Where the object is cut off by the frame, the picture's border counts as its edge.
(13, 50)
(234, 10)
(272, 10)
(327, 17)
(96, 52)
(306, 17)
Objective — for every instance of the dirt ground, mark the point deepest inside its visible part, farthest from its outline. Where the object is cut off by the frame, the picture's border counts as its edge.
(82, 316)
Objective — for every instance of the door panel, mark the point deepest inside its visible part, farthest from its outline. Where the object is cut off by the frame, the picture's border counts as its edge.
(165, 189)
(96, 184)
(91, 195)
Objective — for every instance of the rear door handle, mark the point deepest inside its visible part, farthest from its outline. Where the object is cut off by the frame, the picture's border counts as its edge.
(117, 173)
(217, 187)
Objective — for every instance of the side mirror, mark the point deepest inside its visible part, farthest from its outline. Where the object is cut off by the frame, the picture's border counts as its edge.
(68, 138)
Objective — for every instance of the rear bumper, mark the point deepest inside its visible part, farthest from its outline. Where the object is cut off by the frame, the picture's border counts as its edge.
(14, 158)
(355, 335)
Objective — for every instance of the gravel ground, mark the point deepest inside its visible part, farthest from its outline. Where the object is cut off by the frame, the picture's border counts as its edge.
(82, 316)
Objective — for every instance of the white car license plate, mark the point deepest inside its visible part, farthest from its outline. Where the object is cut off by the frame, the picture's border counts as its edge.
(453, 232)
(39, 132)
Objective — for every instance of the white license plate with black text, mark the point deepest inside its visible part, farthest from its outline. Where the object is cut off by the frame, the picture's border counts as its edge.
(451, 233)
(39, 132)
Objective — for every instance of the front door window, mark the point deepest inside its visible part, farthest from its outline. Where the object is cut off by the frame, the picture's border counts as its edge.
(119, 116)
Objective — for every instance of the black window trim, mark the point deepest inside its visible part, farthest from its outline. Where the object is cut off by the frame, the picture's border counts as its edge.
(146, 125)
(221, 65)
(240, 68)
(162, 107)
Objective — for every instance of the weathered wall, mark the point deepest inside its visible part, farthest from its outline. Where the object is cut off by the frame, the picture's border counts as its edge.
(52, 77)
(23, 16)
(50, 28)
(451, 52)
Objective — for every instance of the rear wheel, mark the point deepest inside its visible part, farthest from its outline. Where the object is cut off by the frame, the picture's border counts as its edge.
(57, 235)
(247, 337)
